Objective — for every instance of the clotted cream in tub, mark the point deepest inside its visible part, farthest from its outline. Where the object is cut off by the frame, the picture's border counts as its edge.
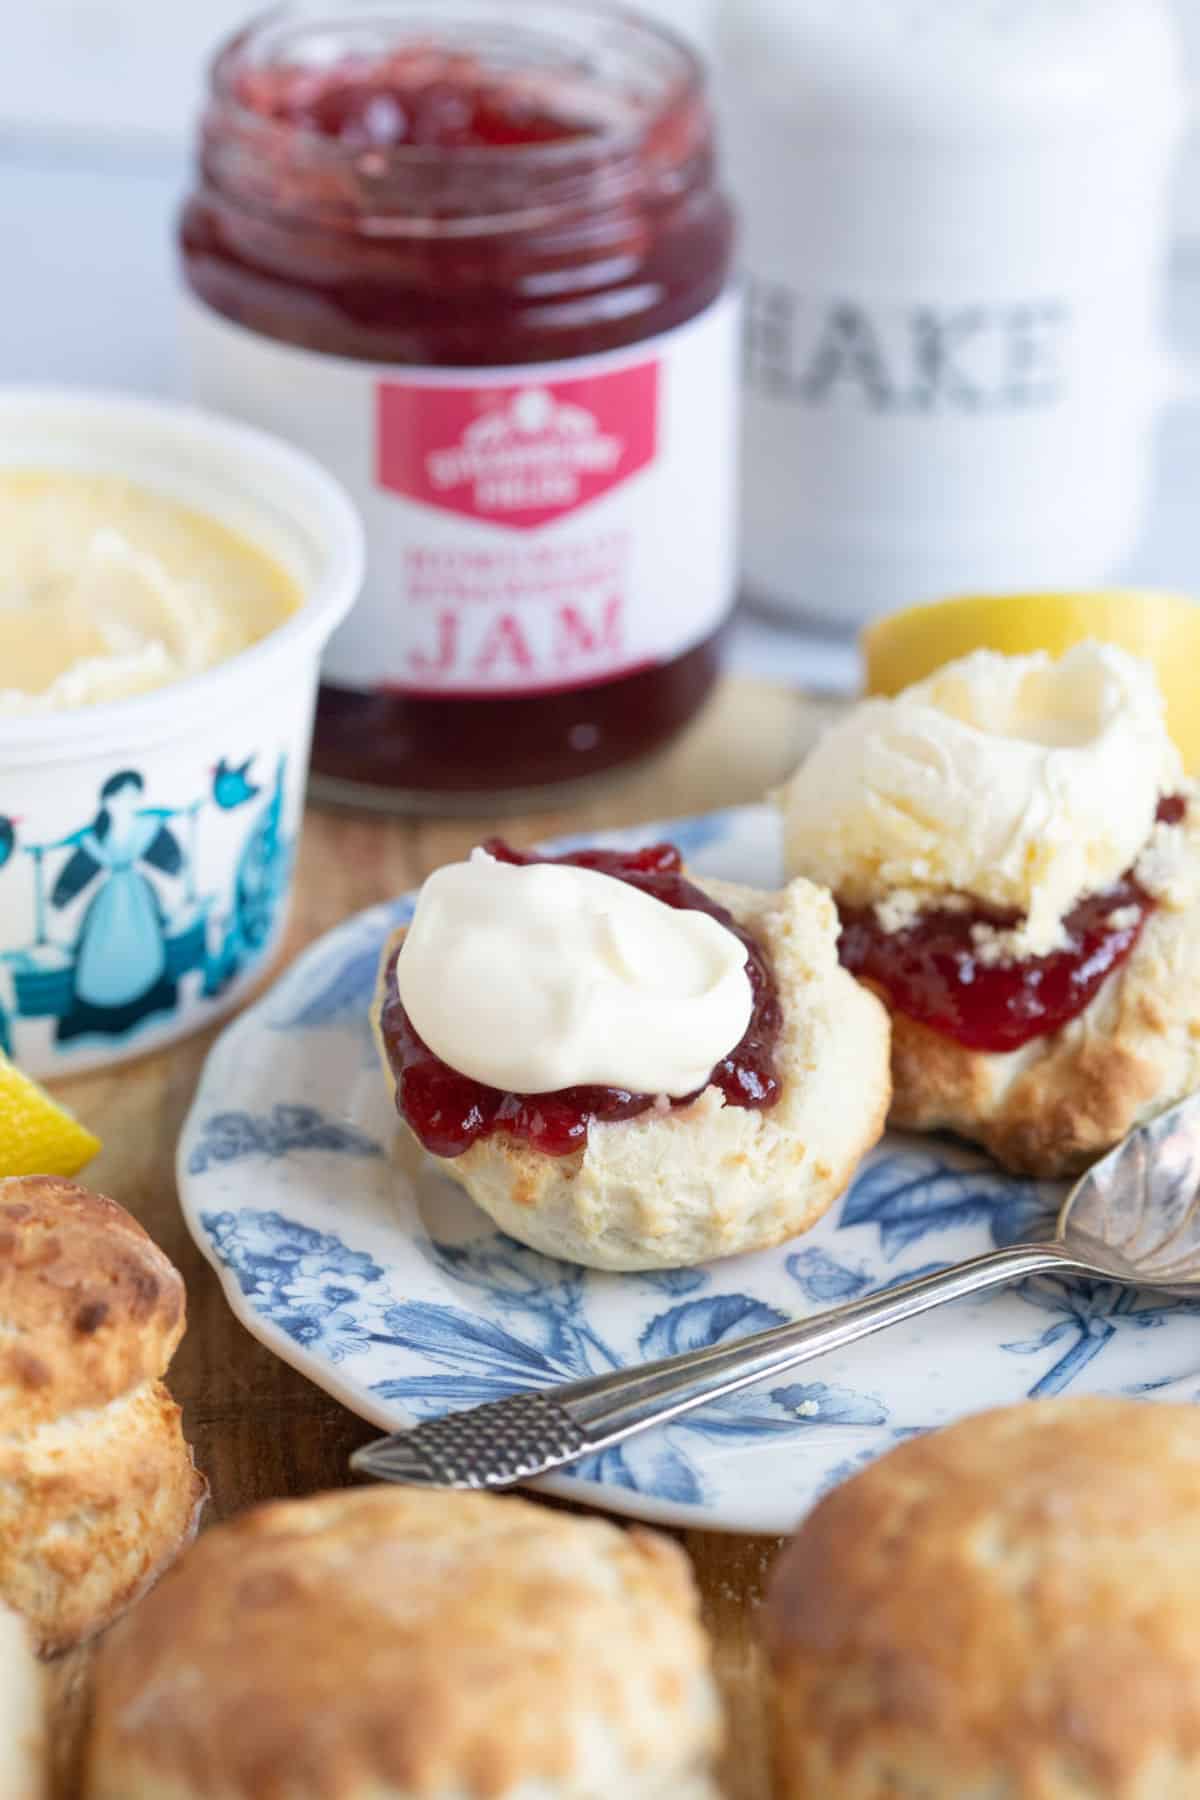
(168, 580)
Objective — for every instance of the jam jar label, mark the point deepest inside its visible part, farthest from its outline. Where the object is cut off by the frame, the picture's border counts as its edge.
(530, 528)
(519, 455)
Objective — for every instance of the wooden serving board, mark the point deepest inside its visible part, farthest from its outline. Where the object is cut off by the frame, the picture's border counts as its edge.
(260, 1430)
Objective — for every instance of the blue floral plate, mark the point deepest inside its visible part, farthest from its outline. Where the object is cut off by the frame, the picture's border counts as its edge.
(386, 1287)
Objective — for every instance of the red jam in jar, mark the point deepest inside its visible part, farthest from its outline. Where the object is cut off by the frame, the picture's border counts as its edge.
(475, 258)
(448, 1112)
(932, 970)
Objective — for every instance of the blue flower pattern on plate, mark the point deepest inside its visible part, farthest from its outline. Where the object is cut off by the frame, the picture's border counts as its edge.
(909, 1197)
(337, 1302)
(915, 1195)
(1087, 1316)
(434, 1316)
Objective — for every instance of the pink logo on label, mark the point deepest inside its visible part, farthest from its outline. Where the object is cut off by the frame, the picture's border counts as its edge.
(517, 455)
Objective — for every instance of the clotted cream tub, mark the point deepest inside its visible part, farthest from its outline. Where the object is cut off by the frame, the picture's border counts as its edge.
(147, 845)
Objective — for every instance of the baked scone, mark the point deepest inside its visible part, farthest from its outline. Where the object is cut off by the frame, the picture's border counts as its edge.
(384, 1644)
(97, 1486)
(685, 1183)
(1053, 1106)
(1016, 857)
(1007, 1607)
(23, 1747)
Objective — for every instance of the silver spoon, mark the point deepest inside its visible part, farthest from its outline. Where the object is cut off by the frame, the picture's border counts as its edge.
(1134, 1218)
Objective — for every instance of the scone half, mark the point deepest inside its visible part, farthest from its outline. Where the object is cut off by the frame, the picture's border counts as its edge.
(93, 1508)
(90, 1307)
(681, 1185)
(1053, 1106)
(98, 1489)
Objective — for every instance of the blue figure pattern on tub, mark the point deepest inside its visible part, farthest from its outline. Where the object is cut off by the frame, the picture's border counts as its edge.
(261, 880)
(233, 786)
(120, 973)
(138, 926)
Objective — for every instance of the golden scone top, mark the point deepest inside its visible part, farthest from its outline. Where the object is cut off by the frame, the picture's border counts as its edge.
(378, 1641)
(1008, 1605)
(98, 1490)
(90, 1306)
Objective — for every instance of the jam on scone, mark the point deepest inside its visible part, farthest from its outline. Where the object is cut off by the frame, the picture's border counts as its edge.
(625, 1064)
(448, 1111)
(1009, 843)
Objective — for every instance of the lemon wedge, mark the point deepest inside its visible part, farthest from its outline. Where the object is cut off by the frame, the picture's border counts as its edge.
(1164, 628)
(37, 1136)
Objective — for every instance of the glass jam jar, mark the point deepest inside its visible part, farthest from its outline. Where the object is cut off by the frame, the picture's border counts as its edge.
(475, 257)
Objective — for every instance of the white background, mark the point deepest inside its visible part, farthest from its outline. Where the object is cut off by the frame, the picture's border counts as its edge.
(129, 69)
(97, 102)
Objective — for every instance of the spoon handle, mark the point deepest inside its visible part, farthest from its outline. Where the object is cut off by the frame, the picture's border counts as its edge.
(527, 1435)
(611, 1407)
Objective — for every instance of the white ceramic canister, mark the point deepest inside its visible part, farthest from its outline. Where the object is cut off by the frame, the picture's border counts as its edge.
(173, 816)
(955, 227)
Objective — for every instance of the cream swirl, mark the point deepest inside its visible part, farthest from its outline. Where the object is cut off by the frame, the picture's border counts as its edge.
(536, 978)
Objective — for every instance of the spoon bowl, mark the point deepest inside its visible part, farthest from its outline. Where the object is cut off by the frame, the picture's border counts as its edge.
(1136, 1213)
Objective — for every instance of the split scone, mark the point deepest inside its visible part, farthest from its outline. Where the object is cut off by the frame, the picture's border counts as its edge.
(627, 1067)
(97, 1487)
(388, 1644)
(1016, 858)
(1008, 1607)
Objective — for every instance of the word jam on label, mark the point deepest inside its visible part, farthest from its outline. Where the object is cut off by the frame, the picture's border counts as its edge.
(508, 620)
